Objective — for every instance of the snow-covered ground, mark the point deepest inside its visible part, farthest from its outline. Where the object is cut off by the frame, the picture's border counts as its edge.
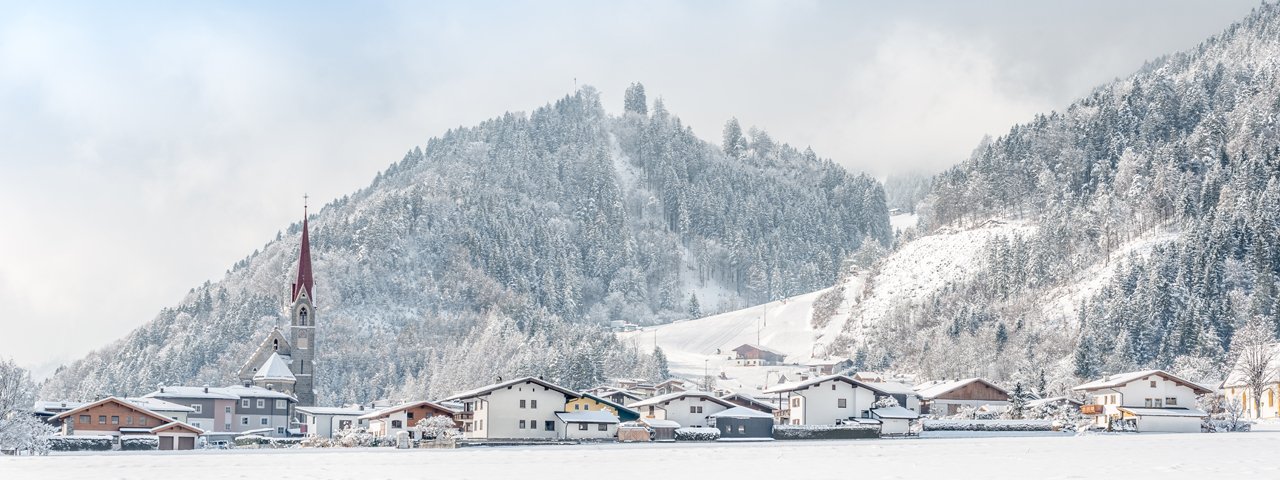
(1163, 457)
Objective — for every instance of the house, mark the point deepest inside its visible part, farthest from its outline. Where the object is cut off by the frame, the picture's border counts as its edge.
(328, 421)
(1145, 401)
(389, 422)
(1236, 388)
(212, 409)
(742, 423)
(689, 409)
(110, 416)
(752, 355)
(903, 393)
(177, 413)
(670, 385)
(46, 410)
(620, 397)
(177, 435)
(868, 377)
(894, 420)
(945, 398)
(591, 402)
(830, 366)
(524, 408)
(823, 400)
(744, 400)
(259, 408)
(587, 425)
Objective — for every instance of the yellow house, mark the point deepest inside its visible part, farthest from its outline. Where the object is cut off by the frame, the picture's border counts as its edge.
(1270, 404)
(589, 402)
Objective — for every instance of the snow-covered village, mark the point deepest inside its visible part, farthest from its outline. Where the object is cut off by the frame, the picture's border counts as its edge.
(679, 239)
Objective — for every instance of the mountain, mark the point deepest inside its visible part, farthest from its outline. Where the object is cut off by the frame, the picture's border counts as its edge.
(504, 248)
(1139, 227)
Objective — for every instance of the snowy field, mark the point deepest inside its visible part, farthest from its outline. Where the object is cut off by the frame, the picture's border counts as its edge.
(1173, 456)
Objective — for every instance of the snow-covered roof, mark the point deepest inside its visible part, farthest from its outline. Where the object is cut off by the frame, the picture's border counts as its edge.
(192, 392)
(676, 395)
(892, 388)
(587, 416)
(1119, 380)
(794, 386)
(1164, 412)
(176, 424)
(749, 399)
(115, 400)
(274, 368)
(610, 403)
(158, 405)
(655, 423)
(405, 406)
(332, 410)
(50, 407)
(1046, 401)
(760, 348)
(257, 392)
(932, 390)
(741, 412)
(489, 388)
(619, 391)
(895, 412)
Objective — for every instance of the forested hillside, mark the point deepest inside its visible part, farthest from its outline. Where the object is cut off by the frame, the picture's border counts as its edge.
(1153, 208)
(504, 248)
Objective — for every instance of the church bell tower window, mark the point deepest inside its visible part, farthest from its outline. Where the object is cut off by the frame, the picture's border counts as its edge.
(302, 317)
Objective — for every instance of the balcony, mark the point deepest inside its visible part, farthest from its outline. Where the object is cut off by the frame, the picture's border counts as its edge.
(464, 416)
(1092, 409)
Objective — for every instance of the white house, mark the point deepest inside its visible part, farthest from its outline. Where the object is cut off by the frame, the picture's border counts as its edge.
(894, 420)
(588, 424)
(524, 408)
(390, 421)
(823, 400)
(689, 409)
(1146, 401)
(328, 421)
(903, 393)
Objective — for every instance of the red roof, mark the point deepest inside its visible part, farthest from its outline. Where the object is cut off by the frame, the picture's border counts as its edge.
(304, 265)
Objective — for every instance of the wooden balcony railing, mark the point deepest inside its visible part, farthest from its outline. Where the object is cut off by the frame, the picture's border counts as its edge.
(1092, 409)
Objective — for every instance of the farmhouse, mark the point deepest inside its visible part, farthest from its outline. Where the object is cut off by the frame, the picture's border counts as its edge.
(389, 422)
(1145, 401)
(689, 409)
(947, 397)
(524, 408)
(754, 355)
(824, 400)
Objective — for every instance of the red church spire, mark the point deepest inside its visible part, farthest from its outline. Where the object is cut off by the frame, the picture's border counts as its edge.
(304, 261)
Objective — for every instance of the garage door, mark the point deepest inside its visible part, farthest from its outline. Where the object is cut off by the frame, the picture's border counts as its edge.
(186, 443)
(166, 443)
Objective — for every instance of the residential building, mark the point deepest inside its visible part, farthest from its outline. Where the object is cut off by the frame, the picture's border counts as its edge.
(119, 418)
(587, 425)
(389, 422)
(823, 400)
(945, 398)
(903, 393)
(591, 402)
(749, 354)
(746, 400)
(1268, 403)
(326, 422)
(177, 436)
(175, 412)
(212, 409)
(829, 366)
(1145, 401)
(523, 408)
(689, 409)
(264, 411)
(742, 423)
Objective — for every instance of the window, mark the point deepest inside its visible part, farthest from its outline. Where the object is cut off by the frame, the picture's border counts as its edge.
(480, 425)
(742, 429)
(226, 426)
(1157, 402)
(244, 420)
(522, 422)
(302, 343)
(582, 426)
(85, 419)
(102, 419)
(533, 404)
(280, 431)
(1153, 384)
(244, 403)
(275, 344)
(551, 426)
(795, 402)
(650, 410)
(129, 420)
(197, 407)
(602, 427)
(226, 409)
(1148, 403)
(142, 421)
(282, 404)
(1170, 401)
(410, 434)
(533, 424)
(262, 421)
(575, 406)
(522, 404)
(408, 415)
(262, 403)
(695, 408)
(833, 385)
(842, 403)
(397, 424)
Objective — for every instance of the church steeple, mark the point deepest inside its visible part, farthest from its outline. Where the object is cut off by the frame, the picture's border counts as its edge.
(302, 325)
(304, 281)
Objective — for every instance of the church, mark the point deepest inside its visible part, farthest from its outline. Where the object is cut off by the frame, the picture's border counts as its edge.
(287, 363)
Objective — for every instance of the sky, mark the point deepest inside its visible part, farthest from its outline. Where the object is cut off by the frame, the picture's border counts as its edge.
(147, 146)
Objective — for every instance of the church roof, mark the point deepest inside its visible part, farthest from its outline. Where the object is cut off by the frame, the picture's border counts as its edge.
(274, 368)
(304, 280)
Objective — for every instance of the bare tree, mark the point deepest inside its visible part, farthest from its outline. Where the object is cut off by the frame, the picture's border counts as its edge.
(1255, 352)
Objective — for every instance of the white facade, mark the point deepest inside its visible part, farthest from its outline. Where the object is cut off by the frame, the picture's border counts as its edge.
(328, 421)
(522, 409)
(689, 409)
(1153, 400)
(588, 425)
(824, 400)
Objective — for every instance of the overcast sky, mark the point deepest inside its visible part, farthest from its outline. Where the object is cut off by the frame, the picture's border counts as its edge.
(144, 149)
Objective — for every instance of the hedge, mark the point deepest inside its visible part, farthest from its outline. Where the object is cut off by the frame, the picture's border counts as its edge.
(987, 425)
(80, 443)
(140, 443)
(825, 432)
(691, 434)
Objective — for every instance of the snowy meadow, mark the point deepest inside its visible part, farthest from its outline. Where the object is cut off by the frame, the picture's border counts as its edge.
(1134, 456)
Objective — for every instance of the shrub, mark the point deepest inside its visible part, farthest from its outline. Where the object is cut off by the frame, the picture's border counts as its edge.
(73, 443)
(988, 425)
(148, 442)
(825, 432)
(694, 434)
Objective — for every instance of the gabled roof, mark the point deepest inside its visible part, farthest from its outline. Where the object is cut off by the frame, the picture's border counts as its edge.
(274, 368)
(178, 426)
(676, 395)
(760, 348)
(158, 405)
(930, 391)
(894, 413)
(76, 411)
(893, 388)
(489, 388)
(349, 411)
(741, 412)
(655, 423)
(796, 386)
(617, 406)
(264, 345)
(587, 416)
(619, 391)
(766, 407)
(192, 392)
(405, 406)
(257, 392)
(1115, 381)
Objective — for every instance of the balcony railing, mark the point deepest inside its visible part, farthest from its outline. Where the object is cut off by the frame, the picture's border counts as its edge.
(1093, 409)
